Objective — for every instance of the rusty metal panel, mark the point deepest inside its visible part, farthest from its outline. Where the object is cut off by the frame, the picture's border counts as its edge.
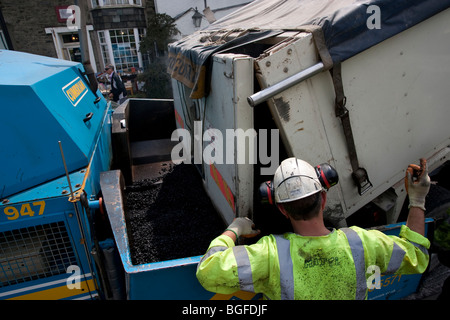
(396, 96)
(295, 110)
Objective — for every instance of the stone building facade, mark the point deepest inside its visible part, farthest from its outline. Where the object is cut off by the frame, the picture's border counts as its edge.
(26, 22)
(113, 27)
(113, 30)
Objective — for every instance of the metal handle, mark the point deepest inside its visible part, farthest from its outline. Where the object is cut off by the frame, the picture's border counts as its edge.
(88, 117)
(65, 169)
(271, 91)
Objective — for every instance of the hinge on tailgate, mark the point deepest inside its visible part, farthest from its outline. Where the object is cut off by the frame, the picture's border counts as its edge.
(359, 174)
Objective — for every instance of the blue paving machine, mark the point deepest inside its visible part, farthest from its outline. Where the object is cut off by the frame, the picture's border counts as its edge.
(56, 139)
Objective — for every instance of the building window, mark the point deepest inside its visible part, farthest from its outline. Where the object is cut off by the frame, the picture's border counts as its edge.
(67, 44)
(71, 47)
(121, 48)
(104, 47)
(109, 3)
(123, 45)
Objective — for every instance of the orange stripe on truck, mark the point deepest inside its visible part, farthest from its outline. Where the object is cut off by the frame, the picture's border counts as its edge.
(223, 186)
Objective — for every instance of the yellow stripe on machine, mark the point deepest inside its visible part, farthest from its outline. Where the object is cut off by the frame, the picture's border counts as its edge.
(58, 293)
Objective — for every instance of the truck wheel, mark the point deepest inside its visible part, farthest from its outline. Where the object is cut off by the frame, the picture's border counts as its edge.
(437, 202)
(438, 206)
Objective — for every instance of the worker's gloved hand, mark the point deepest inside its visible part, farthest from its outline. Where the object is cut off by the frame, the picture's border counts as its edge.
(417, 184)
(243, 227)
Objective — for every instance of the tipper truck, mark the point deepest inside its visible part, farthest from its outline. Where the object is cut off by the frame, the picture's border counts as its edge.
(359, 85)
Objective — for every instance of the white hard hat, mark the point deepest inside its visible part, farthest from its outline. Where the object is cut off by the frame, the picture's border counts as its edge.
(295, 179)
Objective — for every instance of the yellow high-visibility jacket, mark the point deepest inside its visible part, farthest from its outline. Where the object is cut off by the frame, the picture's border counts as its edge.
(291, 266)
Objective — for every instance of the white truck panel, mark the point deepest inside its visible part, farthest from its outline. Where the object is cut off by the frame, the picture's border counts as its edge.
(225, 108)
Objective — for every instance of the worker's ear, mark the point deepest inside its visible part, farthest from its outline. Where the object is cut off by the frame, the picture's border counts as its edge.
(324, 199)
(281, 208)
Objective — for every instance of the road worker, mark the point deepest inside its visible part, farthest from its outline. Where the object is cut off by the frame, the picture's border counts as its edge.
(315, 262)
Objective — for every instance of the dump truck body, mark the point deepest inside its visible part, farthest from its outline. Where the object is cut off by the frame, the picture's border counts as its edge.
(245, 98)
(394, 92)
(393, 108)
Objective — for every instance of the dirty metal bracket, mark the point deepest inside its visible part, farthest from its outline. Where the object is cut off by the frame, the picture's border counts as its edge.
(362, 181)
(112, 184)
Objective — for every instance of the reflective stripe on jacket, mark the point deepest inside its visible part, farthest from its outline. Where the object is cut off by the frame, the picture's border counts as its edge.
(291, 266)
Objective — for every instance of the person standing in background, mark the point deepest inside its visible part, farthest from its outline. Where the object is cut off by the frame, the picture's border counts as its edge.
(118, 91)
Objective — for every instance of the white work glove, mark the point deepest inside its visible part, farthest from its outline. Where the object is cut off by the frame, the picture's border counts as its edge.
(243, 227)
(417, 184)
